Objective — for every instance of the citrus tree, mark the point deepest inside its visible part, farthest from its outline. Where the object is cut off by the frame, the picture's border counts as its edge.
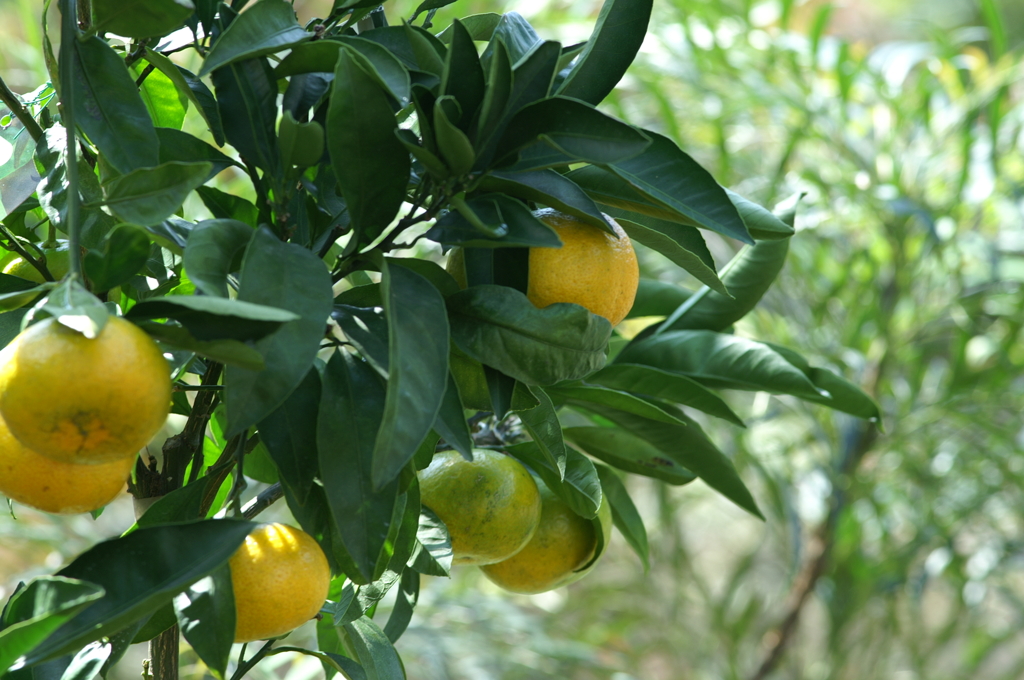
(316, 344)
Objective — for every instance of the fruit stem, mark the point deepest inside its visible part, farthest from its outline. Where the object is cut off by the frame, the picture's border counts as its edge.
(68, 38)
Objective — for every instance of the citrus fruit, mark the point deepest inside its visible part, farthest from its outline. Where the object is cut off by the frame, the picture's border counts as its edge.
(592, 268)
(280, 578)
(53, 486)
(81, 400)
(555, 556)
(58, 261)
(490, 505)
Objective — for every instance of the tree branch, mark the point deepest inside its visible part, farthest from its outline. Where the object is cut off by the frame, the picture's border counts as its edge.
(12, 102)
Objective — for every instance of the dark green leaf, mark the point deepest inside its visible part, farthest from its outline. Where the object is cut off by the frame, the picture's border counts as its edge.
(681, 244)
(150, 195)
(351, 410)
(579, 131)
(206, 616)
(761, 223)
(109, 109)
(659, 384)
(747, 277)
(451, 423)
(586, 395)
(718, 360)
(139, 18)
(418, 368)
(433, 555)
(231, 352)
(843, 395)
(624, 514)
(413, 47)
(322, 56)
(480, 26)
(141, 572)
(36, 610)
(405, 603)
(579, 488)
(501, 328)
(541, 422)
(247, 103)
(671, 177)
(214, 318)
(120, 256)
(493, 108)
(181, 505)
(370, 162)
(620, 30)
(516, 33)
(428, 5)
(290, 434)
(511, 221)
(374, 650)
(657, 298)
(176, 145)
(225, 206)
(452, 143)
(628, 452)
(463, 77)
(286, 276)
(268, 26)
(211, 252)
(367, 329)
(549, 188)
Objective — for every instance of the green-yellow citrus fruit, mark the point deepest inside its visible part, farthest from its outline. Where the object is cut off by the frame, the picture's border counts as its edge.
(490, 505)
(58, 261)
(53, 486)
(81, 400)
(280, 578)
(555, 556)
(592, 268)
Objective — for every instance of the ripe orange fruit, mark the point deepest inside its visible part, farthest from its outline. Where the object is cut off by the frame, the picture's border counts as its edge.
(554, 557)
(490, 505)
(53, 486)
(280, 578)
(592, 268)
(81, 400)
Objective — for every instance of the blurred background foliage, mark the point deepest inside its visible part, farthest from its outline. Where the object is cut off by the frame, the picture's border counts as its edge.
(895, 554)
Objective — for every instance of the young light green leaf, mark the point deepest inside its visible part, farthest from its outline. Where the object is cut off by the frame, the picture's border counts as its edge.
(268, 26)
(193, 88)
(301, 144)
(500, 327)
(147, 196)
(418, 368)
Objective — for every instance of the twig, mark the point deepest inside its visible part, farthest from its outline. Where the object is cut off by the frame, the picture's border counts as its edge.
(69, 40)
(12, 102)
(263, 500)
(39, 263)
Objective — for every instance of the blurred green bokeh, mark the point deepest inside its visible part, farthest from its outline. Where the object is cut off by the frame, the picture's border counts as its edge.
(900, 125)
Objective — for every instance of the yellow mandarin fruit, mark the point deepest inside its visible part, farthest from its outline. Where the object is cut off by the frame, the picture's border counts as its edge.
(280, 578)
(554, 557)
(490, 505)
(592, 268)
(53, 486)
(81, 400)
(58, 261)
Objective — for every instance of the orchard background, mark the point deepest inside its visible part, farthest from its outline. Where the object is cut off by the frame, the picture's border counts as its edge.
(882, 556)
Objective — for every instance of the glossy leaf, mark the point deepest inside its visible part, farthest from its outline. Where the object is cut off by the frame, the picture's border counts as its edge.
(579, 487)
(433, 555)
(718, 360)
(150, 195)
(213, 318)
(657, 298)
(206, 617)
(670, 176)
(268, 26)
(575, 129)
(176, 145)
(287, 276)
(374, 650)
(463, 76)
(761, 223)
(122, 254)
(367, 329)
(843, 395)
(225, 206)
(418, 368)
(405, 604)
(192, 87)
(511, 222)
(213, 247)
(109, 109)
(586, 395)
(493, 108)
(371, 164)
(38, 609)
(619, 32)
(322, 56)
(501, 328)
(681, 244)
(629, 452)
(624, 514)
(549, 188)
(290, 434)
(89, 661)
(247, 104)
(351, 411)
(165, 103)
(516, 33)
(451, 422)
(230, 352)
(747, 277)
(140, 18)
(673, 387)
(140, 573)
(452, 143)
(541, 422)
(480, 26)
